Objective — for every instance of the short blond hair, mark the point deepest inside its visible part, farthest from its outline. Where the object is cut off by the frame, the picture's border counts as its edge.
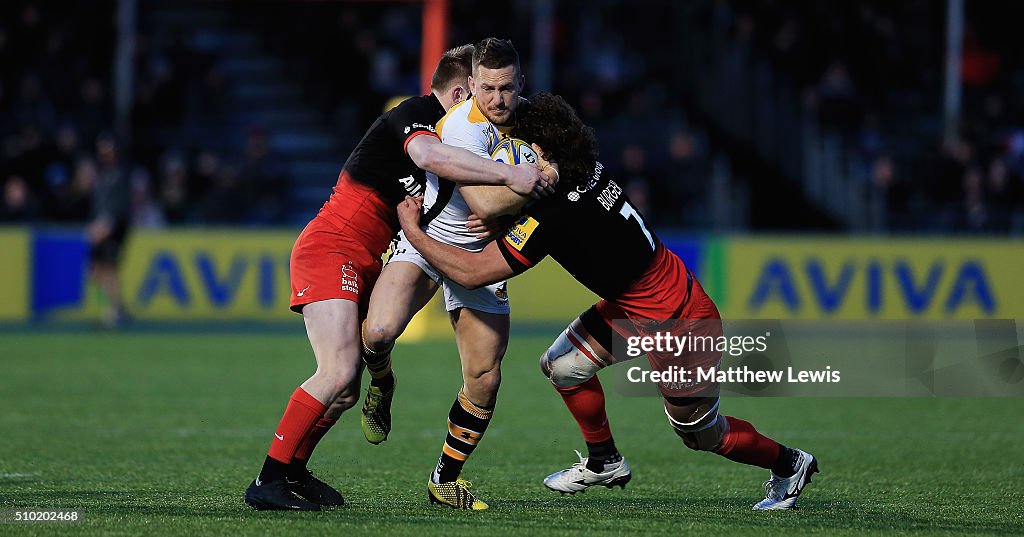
(455, 65)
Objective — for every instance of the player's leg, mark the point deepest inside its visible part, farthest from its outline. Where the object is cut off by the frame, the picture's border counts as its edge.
(480, 318)
(405, 286)
(481, 338)
(301, 480)
(355, 274)
(696, 420)
(571, 364)
(692, 411)
(333, 329)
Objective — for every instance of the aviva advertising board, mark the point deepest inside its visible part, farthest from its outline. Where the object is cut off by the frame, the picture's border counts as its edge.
(196, 274)
(188, 275)
(240, 275)
(848, 278)
(15, 269)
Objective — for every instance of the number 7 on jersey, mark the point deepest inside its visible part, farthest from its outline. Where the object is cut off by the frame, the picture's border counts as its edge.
(629, 212)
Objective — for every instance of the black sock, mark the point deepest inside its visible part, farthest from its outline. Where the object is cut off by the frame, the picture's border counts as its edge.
(467, 423)
(448, 469)
(601, 453)
(385, 383)
(273, 470)
(379, 365)
(297, 469)
(785, 465)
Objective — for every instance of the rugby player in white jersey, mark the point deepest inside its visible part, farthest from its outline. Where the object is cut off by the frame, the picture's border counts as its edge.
(480, 317)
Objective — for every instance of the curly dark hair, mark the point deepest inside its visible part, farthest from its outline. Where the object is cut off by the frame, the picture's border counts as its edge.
(551, 123)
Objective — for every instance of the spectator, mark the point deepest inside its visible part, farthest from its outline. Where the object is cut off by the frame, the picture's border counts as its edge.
(223, 202)
(109, 227)
(18, 205)
(74, 204)
(92, 114)
(263, 173)
(32, 107)
(837, 97)
(174, 189)
(145, 210)
(636, 180)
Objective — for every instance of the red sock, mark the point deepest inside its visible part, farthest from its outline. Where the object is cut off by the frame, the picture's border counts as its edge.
(744, 444)
(313, 438)
(586, 403)
(302, 413)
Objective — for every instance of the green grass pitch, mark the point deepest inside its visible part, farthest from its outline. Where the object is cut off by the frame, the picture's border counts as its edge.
(160, 433)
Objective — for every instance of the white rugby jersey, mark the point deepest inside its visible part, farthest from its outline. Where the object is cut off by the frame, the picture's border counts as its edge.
(463, 126)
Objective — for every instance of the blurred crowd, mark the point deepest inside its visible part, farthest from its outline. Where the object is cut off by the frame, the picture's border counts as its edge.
(57, 112)
(869, 70)
(872, 73)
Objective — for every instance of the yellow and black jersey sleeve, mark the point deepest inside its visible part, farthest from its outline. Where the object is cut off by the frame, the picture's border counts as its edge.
(525, 244)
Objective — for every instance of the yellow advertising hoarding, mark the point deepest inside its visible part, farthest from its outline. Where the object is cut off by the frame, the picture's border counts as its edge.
(877, 278)
(15, 284)
(239, 275)
(242, 275)
(214, 275)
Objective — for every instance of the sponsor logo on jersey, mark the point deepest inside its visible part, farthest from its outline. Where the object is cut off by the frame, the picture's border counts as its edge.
(492, 137)
(520, 233)
(411, 186)
(349, 278)
(409, 128)
(598, 168)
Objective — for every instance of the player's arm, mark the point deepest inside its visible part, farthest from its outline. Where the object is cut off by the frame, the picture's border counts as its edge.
(490, 202)
(468, 269)
(463, 166)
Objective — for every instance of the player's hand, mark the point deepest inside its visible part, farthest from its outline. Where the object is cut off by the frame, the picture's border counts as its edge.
(548, 168)
(528, 180)
(484, 229)
(409, 213)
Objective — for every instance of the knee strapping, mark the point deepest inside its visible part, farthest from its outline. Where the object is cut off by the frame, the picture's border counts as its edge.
(570, 361)
(703, 430)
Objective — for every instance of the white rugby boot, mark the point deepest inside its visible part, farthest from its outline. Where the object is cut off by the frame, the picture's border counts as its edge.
(782, 492)
(578, 478)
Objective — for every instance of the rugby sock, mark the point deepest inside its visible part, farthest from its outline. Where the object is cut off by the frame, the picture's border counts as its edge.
(305, 450)
(600, 454)
(378, 363)
(466, 425)
(744, 444)
(586, 403)
(273, 469)
(785, 464)
(300, 416)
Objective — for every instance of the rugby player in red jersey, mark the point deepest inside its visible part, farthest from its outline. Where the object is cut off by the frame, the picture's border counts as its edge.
(650, 290)
(337, 258)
